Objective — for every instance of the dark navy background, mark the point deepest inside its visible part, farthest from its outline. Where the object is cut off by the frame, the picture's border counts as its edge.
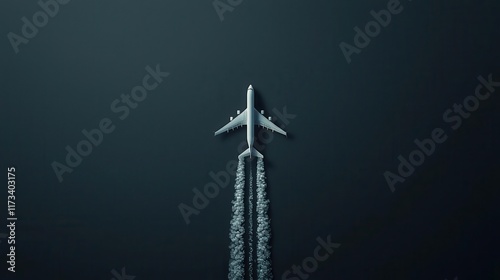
(119, 207)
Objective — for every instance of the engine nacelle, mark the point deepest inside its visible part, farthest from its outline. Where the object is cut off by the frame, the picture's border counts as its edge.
(262, 112)
(237, 112)
(270, 118)
(230, 118)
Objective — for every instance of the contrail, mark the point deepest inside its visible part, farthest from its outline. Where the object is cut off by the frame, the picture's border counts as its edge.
(263, 226)
(237, 230)
(250, 225)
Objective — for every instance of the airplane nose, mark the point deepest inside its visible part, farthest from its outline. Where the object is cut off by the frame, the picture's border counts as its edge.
(250, 87)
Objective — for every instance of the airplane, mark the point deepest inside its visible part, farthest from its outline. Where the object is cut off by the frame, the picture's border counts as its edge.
(250, 117)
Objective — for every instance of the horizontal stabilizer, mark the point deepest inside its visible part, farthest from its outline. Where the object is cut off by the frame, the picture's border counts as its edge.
(250, 152)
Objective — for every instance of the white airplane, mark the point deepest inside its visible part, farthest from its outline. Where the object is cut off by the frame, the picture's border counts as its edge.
(250, 117)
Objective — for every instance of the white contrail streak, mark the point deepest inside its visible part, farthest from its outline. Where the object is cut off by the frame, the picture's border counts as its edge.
(263, 226)
(237, 230)
(250, 225)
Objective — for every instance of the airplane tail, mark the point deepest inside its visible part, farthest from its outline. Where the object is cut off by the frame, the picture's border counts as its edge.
(250, 152)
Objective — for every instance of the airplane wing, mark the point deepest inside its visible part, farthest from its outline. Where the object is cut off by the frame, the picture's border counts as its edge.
(262, 121)
(240, 120)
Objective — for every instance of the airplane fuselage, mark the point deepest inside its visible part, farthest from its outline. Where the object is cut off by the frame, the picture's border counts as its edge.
(250, 117)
